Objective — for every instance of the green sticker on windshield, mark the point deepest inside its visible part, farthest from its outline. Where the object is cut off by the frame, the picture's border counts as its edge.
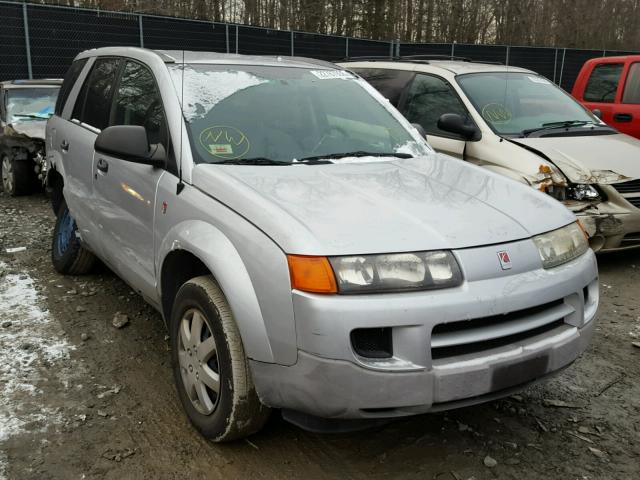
(224, 142)
(496, 113)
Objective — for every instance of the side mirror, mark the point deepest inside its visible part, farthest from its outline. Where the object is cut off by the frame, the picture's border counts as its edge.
(130, 143)
(454, 123)
(597, 112)
(420, 129)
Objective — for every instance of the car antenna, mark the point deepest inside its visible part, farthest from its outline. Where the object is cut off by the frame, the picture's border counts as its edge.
(180, 185)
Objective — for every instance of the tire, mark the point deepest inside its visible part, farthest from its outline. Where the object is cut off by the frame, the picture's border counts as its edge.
(17, 175)
(68, 255)
(215, 349)
(56, 199)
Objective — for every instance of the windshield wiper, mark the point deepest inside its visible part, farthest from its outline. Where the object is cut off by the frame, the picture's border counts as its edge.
(30, 115)
(252, 161)
(358, 153)
(561, 124)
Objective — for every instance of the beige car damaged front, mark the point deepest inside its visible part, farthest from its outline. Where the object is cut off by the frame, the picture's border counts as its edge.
(589, 158)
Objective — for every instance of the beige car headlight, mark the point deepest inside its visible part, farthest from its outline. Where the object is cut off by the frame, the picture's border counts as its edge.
(562, 245)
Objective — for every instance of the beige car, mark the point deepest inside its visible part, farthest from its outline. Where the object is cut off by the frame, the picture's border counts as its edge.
(517, 123)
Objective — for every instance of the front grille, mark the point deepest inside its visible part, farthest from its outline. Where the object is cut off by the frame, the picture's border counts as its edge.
(631, 239)
(480, 334)
(635, 201)
(628, 187)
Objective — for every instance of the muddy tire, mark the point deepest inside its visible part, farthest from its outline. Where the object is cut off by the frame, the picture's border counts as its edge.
(67, 253)
(17, 175)
(210, 366)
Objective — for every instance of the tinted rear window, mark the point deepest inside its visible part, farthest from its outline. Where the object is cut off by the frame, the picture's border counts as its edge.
(70, 79)
(632, 85)
(390, 83)
(603, 83)
(94, 101)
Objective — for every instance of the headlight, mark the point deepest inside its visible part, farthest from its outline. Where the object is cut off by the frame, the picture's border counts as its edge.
(582, 192)
(562, 245)
(396, 272)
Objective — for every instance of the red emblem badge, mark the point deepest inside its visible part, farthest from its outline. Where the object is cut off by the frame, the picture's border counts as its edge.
(505, 260)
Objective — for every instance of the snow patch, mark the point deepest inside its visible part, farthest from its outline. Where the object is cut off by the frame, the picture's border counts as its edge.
(29, 341)
(203, 89)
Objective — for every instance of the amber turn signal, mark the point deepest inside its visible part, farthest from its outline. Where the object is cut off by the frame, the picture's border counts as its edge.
(311, 274)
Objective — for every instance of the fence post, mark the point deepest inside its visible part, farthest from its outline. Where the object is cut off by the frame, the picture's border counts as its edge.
(346, 48)
(507, 59)
(292, 50)
(453, 49)
(555, 66)
(398, 48)
(236, 39)
(27, 41)
(391, 46)
(226, 35)
(141, 31)
(564, 51)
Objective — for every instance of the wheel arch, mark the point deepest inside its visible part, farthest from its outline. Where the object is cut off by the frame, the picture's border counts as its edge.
(196, 248)
(55, 187)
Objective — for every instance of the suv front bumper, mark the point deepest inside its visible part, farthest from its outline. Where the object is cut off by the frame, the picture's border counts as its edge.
(330, 380)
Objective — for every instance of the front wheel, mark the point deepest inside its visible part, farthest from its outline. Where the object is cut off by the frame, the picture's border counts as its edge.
(209, 364)
(67, 253)
(17, 176)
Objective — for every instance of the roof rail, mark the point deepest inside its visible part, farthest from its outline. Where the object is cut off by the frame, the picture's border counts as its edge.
(417, 59)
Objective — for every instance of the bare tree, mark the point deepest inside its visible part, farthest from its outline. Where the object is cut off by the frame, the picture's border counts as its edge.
(605, 24)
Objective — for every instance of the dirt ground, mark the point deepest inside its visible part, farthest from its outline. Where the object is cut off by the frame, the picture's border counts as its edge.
(82, 399)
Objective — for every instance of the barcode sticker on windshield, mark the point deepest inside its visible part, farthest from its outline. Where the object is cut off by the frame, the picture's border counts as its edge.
(539, 80)
(331, 74)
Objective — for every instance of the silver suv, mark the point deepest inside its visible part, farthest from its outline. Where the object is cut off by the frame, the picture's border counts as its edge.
(306, 247)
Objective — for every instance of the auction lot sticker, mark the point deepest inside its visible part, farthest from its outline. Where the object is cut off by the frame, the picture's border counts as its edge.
(224, 142)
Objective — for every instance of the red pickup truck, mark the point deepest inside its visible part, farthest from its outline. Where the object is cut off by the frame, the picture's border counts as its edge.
(612, 85)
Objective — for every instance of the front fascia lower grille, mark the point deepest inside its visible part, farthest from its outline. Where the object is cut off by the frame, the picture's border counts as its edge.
(472, 336)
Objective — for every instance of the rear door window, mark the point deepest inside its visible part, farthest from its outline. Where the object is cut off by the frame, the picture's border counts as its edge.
(603, 83)
(70, 79)
(390, 83)
(631, 92)
(94, 101)
(428, 99)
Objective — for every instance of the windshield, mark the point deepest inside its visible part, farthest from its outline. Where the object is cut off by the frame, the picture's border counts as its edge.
(284, 114)
(513, 103)
(30, 103)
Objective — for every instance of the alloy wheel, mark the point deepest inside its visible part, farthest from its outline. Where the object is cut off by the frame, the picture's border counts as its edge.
(198, 359)
(66, 231)
(8, 177)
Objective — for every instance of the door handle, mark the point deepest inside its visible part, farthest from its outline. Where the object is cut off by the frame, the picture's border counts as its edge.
(623, 117)
(64, 146)
(102, 165)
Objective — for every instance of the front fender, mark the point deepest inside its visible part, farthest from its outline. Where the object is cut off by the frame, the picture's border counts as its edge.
(222, 259)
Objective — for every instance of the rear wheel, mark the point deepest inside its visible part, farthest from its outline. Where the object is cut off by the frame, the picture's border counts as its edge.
(209, 364)
(67, 253)
(17, 177)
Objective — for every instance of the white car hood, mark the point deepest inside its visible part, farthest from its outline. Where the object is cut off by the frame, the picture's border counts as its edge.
(601, 159)
(425, 203)
(34, 129)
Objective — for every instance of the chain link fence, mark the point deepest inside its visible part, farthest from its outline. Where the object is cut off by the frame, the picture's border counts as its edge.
(38, 41)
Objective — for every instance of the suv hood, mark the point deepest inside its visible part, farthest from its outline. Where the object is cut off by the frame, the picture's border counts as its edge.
(395, 205)
(600, 159)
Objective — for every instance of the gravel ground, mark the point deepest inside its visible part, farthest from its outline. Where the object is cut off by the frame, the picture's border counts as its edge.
(82, 399)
